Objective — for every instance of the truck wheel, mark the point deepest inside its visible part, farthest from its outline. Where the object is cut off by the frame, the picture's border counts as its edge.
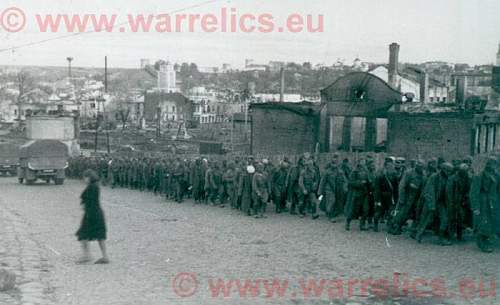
(30, 181)
(21, 180)
(59, 181)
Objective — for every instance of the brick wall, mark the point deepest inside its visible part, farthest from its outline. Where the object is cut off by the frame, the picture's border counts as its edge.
(430, 135)
(279, 131)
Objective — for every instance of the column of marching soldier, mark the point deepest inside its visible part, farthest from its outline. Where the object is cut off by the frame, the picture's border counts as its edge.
(437, 196)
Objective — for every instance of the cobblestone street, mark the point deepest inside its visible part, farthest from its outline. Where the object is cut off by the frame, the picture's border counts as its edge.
(167, 253)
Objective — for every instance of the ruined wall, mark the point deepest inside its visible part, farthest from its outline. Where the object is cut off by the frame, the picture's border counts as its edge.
(426, 136)
(279, 131)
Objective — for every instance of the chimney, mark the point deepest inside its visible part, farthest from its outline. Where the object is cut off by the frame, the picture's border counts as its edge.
(424, 87)
(282, 85)
(495, 78)
(461, 94)
(498, 55)
(393, 64)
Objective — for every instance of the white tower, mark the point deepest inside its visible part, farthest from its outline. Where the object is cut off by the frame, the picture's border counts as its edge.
(167, 78)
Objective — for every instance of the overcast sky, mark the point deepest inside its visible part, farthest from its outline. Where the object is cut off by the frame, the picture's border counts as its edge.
(450, 30)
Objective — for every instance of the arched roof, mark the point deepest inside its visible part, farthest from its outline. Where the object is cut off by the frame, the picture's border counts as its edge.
(376, 89)
(360, 93)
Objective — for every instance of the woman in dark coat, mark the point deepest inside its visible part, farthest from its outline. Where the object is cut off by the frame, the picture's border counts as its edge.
(93, 225)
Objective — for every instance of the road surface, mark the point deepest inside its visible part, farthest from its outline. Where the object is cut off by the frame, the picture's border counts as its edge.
(167, 253)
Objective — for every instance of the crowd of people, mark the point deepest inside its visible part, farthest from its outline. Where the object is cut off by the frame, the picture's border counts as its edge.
(445, 198)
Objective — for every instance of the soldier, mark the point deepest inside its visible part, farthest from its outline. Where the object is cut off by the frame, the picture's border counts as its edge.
(142, 174)
(214, 183)
(260, 191)
(458, 190)
(103, 168)
(294, 191)
(400, 167)
(346, 167)
(484, 205)
(228, 180)
(342, 183)
(308, 183)
(435, 203)
(114, 166)
(410, 191)
(269, 170)
(432, 166)
(386, 189)
(245, 189)
(238, 172)
(329, 189)
(178, 181)
(157, 176)
(357, 197)
(279, 186)
(167, 179)
(197, 180)
(372, 175)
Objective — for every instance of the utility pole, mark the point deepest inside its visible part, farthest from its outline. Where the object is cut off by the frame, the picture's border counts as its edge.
(103, 105)
(158, 121)
(96, 124)
(232, 132)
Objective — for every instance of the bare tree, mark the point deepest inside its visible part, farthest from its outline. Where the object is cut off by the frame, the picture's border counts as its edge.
(25, 85)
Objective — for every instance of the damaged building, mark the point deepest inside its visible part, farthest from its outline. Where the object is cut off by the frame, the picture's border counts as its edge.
(466, 127)
(362, 112)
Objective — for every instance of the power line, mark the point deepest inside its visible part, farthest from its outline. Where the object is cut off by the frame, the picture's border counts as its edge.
(29, 44)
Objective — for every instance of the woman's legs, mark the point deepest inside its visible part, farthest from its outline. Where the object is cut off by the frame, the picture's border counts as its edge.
(104, 259)
(85, 252)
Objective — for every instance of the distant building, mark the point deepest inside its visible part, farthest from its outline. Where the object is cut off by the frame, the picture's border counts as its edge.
(226, 68)
(173, 107)
(408, 81)
(209, 70)
(477, 83)
(358, 65)
(136, 108)
(145, 62)
(275, 66)
(251, 66)
(271, 97)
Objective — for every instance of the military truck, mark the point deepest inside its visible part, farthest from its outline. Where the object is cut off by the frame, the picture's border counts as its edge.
(44, 160)
(9, 159)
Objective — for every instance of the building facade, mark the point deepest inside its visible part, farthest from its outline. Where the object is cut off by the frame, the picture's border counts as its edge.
(173, 107)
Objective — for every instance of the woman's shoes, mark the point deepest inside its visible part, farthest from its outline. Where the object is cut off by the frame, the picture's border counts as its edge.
(84, 260)
(102, 261)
